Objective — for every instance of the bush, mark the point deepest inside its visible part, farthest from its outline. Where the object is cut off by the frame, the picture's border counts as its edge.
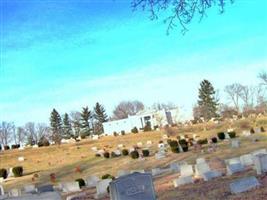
(106, 154)
(3, 173)
(221, 135)
(262, 129)
(169, 141)
(232, 134)
(6, 147)
(84, 134)
(43, 142)
(115, 133)
(81, 182)
(122, 132)
(145, 152)
(134, 130)
(175, 150)
(97, 155)
(183, 142)
(203, 141)
(125, 152)
(107, 176)
(214, 140)
(184, 147)
(15, 146)
(134, 154)
(173, 144)
(147, 128)
(252, 131)
(18, 171)
(113, 155)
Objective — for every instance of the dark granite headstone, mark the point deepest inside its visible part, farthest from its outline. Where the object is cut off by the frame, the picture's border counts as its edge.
(136, 186)
(45, 188)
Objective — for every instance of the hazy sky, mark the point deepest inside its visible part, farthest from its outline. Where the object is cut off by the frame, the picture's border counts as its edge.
(66, 54)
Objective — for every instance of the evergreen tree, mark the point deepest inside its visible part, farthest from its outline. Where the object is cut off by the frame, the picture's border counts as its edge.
(67, 130)
(207, 102)
(100, 117)
(86, 115)
(56, 126)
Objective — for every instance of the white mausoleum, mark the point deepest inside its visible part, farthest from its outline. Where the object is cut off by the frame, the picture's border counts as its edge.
(140, 120)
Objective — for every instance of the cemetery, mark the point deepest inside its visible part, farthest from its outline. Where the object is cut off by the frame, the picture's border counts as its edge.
(215, 164)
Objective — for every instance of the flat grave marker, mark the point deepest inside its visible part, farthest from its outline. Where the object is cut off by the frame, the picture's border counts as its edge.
(244, 184)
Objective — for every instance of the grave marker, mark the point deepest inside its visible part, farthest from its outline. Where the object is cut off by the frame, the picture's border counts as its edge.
(71, 187)
(102, 188)
(91, 181)
(234, 168)
(260, 162)
(246, 160)
(244, 184)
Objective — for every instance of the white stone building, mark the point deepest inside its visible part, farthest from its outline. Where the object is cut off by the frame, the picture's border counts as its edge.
(140, 120)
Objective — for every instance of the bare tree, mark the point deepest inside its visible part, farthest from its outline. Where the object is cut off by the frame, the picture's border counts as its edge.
(76, 122)
(263, 77)
(42, 130)
(234, 91)
(6, 132)
(126, 108)
(178, 11)
(21, 134)
(31, 133)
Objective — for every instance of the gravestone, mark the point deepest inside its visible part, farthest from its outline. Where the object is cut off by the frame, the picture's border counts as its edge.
(35, 146)
(21, 159)
(95, 137)
(2, 192)
(210, 175)
(149, 142)
(120, 145)
(260, 162)
(1, 179)
(161, 153)
(21, 148)
(117, 152)
(29, 189)
(182, 181)
(102, 188)
(122, 173)
(202, 168)
(45, 188)
(257, 130)
(94, 149)
(200, 160)
(187, 170)
(260, 151)
(235, 143)
(234, 168)
(161, 145)
(227, 136)
(14, 192)
(155, 171)
(91, 181)
(71, 187)
(134, 186)
(246, 133)
(246, 160)
(139, 144)
(233, 160)
(244, 184)
(175, 167)
(10, 173)
(39, 196)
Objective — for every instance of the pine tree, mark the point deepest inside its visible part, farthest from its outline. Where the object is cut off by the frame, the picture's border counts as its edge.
(100, 117)
(56, 126)
(86, 115)
(67, 130)
(207, 102)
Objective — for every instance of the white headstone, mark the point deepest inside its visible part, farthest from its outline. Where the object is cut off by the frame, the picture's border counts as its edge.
(246, 160)
(139, 144)
(21, 148)
(246, 133)
(244, 184)
(71, 187)
(35, 146)
(117, 152)
(187, 170)
(200, 160)
(175, 167)
(2, 192)
(260, 162)
(21, 159)
(233, 160)
(202, 168)
(29, 189)
(15, 192)
(101, 188)
(210, 175)
(149, 142)
(1, 179)
(10, 173)
(120, 145)
(91, 181)
(182, 181)
(227, 135)
(155, 171)
(94, 149)
(95, 137)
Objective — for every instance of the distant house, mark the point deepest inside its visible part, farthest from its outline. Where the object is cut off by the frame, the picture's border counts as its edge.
(152, 118)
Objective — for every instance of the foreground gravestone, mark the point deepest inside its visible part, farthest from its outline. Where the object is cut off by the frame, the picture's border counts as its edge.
(175, 167)
(200, 160)
(244, 184)
(246, 133)
(29, 189)
(40, 196)
(187, 170)
(134, 186)
(246, 160)
(210, 175)
(234, 168)
(260, 162)
(71, 187)
(14, 192)
(45, 188)
(102, 188)
(91, 181)
(11, 174)
(182, 181)
(2, 192)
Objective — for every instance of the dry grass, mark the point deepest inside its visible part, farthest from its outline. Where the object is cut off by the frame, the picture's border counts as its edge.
(63, 160)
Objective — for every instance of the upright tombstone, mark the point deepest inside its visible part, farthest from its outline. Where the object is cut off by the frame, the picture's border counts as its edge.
(227, 136)
(235, 143)
(91, 181)
(71, 187)
(187, 170)
(175, 167)
(15, 192)
(200, 160)
(30, 189)
(161, 153)
(134, 186)
(102, 188)
(246, 160)
(234, 168)
(257, 130)
(2, 192)
(201, 168)
(10, 173)
(260, 162)
(246, 133)
(244, 184)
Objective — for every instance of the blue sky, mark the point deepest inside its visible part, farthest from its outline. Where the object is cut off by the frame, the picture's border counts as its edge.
(68, 54)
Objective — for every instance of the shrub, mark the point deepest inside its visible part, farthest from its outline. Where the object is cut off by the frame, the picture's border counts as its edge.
(203, 141)
(214, 140)
(81, 182)
(18, 171)
(221, 135)
(147, 128)
(43, 142)
(184, 147)
(113, 155)
(107, 176)
(134, 154)
(6, 147)
(15, 146)
(106, 154)
(134, 130)
(252, 131)
(169, 141)
(145, 152)
(122, 132)
(97, 155)
(183, 142)
(173, 144)
(262, 129)
(84, 134)
(115, 133)
(125, 152)
(232, 134)
(175, 150)
(3, 173)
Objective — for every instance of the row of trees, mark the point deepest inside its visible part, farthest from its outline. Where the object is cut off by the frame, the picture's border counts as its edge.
(243, 100)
